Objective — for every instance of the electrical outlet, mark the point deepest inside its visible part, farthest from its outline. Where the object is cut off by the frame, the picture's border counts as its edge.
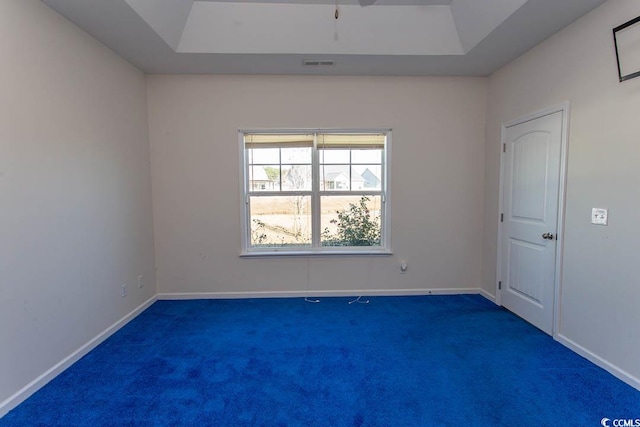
(124, 290)
(599, 216)
(140, 281)
(403, 267)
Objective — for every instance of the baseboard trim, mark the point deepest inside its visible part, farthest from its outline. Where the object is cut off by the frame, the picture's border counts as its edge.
(22, 394)
(599, 361)
(488, 296)
(330, 293)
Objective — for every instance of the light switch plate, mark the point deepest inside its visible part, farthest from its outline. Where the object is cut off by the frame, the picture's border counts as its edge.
(599, 216)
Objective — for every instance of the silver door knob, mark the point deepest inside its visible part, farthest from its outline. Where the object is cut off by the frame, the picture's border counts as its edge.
(547, 236)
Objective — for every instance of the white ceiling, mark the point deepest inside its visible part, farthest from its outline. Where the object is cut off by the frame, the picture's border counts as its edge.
(344, 2)
(401, 37)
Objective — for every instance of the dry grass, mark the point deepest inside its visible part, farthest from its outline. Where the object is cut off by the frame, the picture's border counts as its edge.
(283, 227)
(285, 205)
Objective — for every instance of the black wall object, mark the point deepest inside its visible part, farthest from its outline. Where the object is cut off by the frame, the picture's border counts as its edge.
(619, 28)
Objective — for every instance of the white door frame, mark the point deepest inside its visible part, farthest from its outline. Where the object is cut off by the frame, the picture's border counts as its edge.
(564, 108)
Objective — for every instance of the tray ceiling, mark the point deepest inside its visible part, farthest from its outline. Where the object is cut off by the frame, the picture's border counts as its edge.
(402, 37)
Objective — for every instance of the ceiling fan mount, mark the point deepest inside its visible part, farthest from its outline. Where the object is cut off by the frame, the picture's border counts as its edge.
(363, 3)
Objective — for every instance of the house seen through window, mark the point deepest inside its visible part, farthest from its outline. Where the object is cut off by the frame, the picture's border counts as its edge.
(315, 192)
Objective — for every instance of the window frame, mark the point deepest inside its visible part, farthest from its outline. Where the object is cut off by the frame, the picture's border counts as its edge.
(316, 194)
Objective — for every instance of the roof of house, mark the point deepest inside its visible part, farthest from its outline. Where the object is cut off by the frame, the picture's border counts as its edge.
(332, 172)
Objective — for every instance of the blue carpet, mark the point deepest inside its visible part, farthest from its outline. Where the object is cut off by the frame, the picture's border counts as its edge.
(398, 361)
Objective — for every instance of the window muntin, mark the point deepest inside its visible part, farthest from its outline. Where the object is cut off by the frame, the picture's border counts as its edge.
(315, 192)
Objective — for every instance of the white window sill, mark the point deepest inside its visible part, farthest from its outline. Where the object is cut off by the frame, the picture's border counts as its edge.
(310, 253)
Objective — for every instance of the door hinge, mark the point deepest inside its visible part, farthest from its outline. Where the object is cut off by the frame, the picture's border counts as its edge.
(500, 285)
(504, 147)
(501, 217)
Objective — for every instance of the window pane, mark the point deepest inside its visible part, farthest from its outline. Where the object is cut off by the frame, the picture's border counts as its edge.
(264, 156)
(350, 220)
(280, 221)
(366, 177)
(296, 177)
(334, 177)
(297, 155)
(334, 156)
(264, 178)
(357, 181)
(366, 156)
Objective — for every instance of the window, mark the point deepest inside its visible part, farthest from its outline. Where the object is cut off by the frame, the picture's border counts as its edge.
(315, 192)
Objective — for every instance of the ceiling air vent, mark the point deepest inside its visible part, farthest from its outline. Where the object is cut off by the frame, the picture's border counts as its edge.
(318, 62)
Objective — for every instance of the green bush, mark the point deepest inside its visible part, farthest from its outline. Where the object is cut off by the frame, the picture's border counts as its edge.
(356, 227)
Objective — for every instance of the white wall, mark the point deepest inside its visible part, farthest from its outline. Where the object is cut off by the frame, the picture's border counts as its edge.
(600, 301)
(75, 205)
(436, 179)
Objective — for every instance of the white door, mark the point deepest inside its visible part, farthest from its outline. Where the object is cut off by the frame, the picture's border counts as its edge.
(531, 183)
